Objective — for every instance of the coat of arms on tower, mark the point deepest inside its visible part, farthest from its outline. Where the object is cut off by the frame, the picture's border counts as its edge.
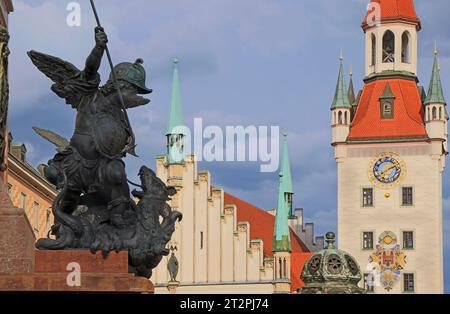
(389, 258)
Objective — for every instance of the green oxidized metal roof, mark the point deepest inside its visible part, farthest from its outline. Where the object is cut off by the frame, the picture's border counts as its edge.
(351, 90)
(331, 271)
(281, 237)
(176, 113)
(341, 94)
(387, 93)
(286, 169)
(435, 93)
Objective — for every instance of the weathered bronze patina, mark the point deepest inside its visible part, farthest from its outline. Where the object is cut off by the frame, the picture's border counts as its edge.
(93, 209)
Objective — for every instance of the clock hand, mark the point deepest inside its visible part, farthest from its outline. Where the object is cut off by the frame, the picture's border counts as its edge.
(383, 173)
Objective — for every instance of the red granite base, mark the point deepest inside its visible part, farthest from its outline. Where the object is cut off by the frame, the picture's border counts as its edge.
(108, 275)
(24, 269)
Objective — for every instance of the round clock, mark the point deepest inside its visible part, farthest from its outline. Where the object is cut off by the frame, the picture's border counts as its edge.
(386, 170)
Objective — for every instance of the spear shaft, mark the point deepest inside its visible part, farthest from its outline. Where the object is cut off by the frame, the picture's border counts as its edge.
(116, 82)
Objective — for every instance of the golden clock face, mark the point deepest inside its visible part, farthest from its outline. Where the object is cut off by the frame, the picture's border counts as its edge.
(386, 170)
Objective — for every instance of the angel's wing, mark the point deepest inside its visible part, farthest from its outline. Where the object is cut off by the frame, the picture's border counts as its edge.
(56, 69)
(60, 142)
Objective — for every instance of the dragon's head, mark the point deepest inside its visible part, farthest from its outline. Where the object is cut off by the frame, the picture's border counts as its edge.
(152, 186)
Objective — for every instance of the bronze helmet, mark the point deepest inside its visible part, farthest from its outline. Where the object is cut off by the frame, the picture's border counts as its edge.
(133, 73)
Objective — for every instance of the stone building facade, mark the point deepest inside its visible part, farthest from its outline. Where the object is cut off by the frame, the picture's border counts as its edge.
(224, 244)
(28, 189)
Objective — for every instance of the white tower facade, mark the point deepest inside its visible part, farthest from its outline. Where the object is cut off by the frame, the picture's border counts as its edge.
(391, 163)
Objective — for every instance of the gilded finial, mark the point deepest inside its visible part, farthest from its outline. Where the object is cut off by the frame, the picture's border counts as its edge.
(351, 70)
(341, 56)
(175, 61)
(435, 48)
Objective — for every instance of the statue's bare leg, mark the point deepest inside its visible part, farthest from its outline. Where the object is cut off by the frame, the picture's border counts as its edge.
(119, 192)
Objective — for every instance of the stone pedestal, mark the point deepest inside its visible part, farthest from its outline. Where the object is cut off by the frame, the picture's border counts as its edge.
(172, 286)
(25, 269)
(77, 271)
(16, 238)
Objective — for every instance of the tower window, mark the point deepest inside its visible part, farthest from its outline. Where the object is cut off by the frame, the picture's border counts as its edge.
(368, 240)
(201, 240)
(389, 47)
(434, 113)
(408, 282)
(374, 50)
(440, 113)
(387, 110)
(280, 263)
(367, 197)
(407, 196)
(340, 117)
(408, 240)
(405, 48)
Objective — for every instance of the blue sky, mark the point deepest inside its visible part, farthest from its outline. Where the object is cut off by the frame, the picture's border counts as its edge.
(243, 62)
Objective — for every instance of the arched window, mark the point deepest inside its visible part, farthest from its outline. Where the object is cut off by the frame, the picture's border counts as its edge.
(345, 118)
(340, 117)
(281, 268)
(440, 113)
(334, 120)
(434, 113)
(388, 47)
(284, 268)
(405, 48)
(374, 50)
(387, 109)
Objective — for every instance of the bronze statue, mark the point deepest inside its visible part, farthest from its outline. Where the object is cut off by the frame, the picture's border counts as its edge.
(94, 209)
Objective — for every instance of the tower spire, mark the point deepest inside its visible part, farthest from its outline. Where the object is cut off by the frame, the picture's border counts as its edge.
(175, 134)
(351, 89)
(341, 94)
(281, 238)
(435, 92)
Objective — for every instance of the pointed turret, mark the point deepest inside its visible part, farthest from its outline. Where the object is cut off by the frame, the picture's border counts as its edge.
(175, 133)
(436, 116)
(435, 93)
(281, 238)
(351, 89)
(341, 94)
(341, 109)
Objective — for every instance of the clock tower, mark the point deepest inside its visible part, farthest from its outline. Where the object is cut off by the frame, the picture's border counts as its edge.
(390, 146)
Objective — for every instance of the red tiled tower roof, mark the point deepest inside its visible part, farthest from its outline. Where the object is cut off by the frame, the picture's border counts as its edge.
(407, 122)
(392, 10)
(261, 227)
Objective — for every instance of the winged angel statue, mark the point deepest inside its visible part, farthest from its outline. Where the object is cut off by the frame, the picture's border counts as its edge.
(93, 209)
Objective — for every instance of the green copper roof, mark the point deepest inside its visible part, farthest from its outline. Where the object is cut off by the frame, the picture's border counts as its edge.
(387, 93)
(340, 96)
(435, 94)
(281, 237)
(176, 113)
(286, 169)
(351, 91)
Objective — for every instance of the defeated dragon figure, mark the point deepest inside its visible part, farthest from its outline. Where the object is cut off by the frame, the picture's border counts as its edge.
(145, 238)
